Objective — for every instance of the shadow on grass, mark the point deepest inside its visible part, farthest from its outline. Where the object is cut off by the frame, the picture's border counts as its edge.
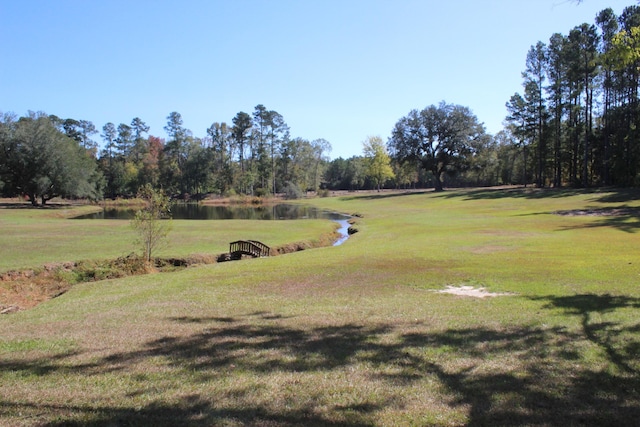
(194, 410)
(619, 195)
(494, 193)
(620, 342)
(603, 195)
(26, 205)
(386, 194)
(623, 217)
(524, 375)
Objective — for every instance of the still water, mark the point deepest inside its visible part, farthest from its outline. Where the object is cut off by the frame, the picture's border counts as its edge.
(206, 212)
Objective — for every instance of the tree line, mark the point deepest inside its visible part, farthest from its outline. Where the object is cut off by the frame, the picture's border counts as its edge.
(576, 123)
(252, 155)
(43, 156)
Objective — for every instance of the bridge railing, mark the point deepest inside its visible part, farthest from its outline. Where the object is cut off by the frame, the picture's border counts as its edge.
(263, 249)
(248, 247)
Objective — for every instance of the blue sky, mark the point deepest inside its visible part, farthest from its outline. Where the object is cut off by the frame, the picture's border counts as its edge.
(338, 70)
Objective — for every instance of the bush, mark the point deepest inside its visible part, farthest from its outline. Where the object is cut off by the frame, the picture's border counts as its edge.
(292, 191)
(324, 192)
(261, 192)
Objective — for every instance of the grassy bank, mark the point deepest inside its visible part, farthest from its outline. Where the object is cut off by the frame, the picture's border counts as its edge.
(356, 334)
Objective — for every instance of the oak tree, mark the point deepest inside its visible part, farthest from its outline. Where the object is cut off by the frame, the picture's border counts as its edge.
(439, 137)
(38, 161)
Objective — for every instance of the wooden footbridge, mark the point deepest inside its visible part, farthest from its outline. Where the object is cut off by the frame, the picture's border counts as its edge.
(251, 248)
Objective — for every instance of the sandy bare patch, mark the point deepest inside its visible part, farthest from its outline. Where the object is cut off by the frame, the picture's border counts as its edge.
(470, 291)
(620, 211)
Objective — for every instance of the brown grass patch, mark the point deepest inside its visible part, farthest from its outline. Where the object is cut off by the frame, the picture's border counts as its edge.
(488, 249)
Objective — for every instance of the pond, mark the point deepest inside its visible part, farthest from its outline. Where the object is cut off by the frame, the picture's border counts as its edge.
(194, 211)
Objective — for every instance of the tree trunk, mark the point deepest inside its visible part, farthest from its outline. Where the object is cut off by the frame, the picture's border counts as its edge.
(524, 166)
(437, 182)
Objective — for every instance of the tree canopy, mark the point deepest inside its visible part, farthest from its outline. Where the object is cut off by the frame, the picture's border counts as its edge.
(440, 137)
(40, 162)
(378, 162)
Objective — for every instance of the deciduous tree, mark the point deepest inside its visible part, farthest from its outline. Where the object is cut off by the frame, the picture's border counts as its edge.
(152, 223)
(439, 137)
(40, 162)
(378, 162)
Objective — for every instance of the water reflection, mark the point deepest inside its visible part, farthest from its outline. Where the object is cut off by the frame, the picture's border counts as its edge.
(195, 211)
(343, 230)
(204, 212)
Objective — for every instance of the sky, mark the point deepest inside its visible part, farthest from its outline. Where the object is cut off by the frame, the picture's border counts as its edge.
(342, 70)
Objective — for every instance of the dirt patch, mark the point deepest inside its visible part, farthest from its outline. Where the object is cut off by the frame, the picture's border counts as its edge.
(24, 290)
(470, 291)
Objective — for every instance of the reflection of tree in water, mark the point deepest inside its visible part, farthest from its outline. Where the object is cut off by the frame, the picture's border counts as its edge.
(214, 212)
(519, 375)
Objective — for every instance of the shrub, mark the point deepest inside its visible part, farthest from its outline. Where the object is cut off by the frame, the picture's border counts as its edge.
(292, 191)
(151, 223)
(324, 192)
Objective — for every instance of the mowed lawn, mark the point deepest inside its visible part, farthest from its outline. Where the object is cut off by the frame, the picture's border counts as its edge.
(353, 335)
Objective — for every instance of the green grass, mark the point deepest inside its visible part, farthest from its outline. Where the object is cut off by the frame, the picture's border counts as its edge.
(349, 335)
(33, 237)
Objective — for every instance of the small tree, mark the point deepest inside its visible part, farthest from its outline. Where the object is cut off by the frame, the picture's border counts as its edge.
(377, 161)
(152, 223)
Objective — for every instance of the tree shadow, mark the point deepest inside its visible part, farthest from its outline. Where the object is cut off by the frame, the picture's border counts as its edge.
(386, 194)
(623, 217)
(619, 342)
(603, 195)
(193, 410)
(495, 193)
(499, 376)
(619, 195)
(27, 205)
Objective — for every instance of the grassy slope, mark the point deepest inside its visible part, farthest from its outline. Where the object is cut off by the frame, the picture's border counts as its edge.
(355, 335)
